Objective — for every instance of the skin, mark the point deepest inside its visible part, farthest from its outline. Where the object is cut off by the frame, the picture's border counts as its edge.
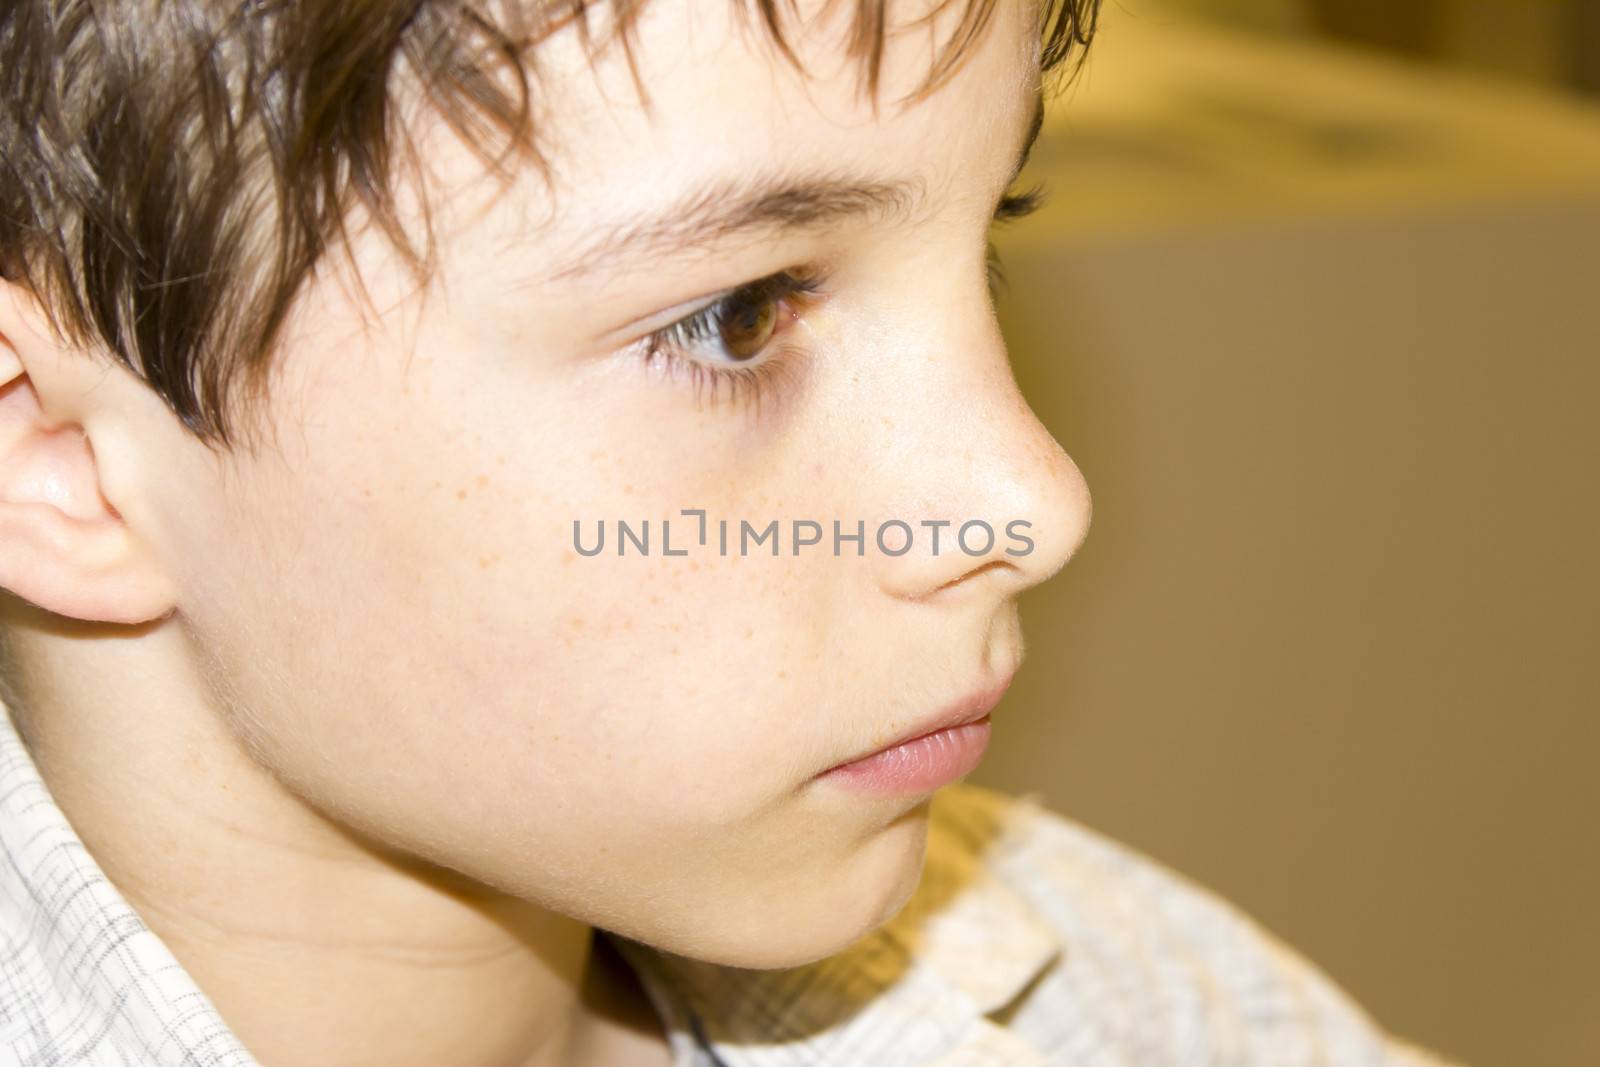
(353, 726)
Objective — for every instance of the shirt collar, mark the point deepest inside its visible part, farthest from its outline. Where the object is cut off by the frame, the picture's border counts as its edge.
(917, 990)
(82, 978)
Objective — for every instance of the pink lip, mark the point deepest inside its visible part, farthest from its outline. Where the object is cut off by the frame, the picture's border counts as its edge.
(929, 754)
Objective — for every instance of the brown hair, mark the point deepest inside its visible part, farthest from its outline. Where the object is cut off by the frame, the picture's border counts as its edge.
(172, 170)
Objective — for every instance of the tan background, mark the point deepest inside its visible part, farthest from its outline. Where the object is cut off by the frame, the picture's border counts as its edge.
(1322, 329)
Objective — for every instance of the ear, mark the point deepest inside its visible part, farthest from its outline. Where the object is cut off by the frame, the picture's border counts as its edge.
(63, 546)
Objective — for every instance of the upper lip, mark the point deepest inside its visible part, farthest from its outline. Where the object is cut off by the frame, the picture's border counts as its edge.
(970, 708)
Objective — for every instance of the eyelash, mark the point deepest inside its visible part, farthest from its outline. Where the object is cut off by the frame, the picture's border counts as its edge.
(1012, 206)
(749, 382)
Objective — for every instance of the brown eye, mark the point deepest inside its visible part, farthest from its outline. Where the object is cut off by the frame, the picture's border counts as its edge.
(740, 326)
(746, 327)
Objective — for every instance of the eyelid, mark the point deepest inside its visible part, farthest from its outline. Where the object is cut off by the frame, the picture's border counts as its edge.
(1011, 206)
(789, 284)
(668, 316)
(639, 329)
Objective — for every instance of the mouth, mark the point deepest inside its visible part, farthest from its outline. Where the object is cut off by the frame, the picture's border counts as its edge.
(930, 754)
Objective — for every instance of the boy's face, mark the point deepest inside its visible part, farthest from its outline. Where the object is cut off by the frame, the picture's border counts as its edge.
(410, 639)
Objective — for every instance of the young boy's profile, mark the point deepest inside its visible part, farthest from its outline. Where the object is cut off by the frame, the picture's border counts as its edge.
(511, 520)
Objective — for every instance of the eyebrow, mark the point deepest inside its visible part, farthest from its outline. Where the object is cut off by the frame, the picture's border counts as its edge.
(745, 207)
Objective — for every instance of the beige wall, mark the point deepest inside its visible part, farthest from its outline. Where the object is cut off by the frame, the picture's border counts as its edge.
(1551, 41)
(1324, 337)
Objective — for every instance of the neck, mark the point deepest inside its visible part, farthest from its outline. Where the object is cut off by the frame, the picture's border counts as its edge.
(316, 943)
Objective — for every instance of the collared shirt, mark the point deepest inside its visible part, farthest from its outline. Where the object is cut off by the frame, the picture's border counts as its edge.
(1031, 941)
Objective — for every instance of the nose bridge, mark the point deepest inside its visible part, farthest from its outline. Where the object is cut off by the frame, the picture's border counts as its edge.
(984, 487)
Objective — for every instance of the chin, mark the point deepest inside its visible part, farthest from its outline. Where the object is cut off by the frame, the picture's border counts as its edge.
(798, 924)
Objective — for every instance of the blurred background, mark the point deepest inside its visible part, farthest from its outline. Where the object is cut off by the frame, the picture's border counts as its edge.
(1315, 305)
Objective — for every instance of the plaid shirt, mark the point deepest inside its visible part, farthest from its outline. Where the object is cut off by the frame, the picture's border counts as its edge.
(1030, 942)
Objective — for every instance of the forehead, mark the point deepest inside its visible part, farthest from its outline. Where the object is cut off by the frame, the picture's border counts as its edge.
(708, 97)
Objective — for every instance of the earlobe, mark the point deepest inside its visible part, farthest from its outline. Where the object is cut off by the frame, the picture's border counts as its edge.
(63, 546)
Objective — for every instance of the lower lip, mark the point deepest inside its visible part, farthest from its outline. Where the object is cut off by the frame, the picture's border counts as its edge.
(920, 765)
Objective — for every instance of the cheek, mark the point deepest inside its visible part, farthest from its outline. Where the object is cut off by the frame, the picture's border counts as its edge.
(633, 672)
(454, 664)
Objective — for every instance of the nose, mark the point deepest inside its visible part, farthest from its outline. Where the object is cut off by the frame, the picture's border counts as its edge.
(980, 495)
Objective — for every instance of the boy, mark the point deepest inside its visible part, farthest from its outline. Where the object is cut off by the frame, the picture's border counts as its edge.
(328, 331)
